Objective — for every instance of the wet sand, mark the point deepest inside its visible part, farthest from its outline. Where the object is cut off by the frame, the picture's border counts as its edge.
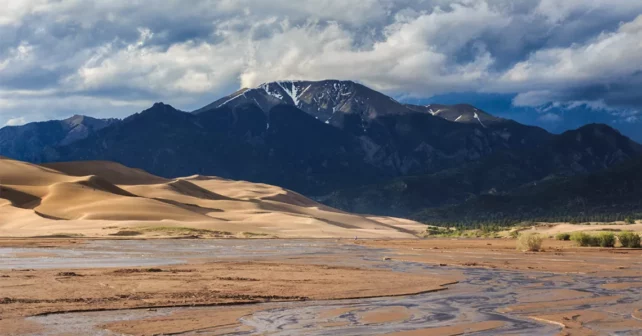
(454, 330)
(320, 287)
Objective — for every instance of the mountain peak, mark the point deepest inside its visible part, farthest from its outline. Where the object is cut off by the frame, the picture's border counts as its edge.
(320, 82)
(329, 101)
(598, 127)
(600, 138)
(461, 113)
(332, 101)
(75, 120)
(159, 107)
(78, 119)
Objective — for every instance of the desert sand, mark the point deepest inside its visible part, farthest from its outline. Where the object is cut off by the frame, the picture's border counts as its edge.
(99, 199)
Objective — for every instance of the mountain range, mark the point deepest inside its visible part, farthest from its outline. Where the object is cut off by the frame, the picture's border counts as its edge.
(31, 141)
(339, 141)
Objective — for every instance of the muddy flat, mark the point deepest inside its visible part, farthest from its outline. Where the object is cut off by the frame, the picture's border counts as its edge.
(316, 287)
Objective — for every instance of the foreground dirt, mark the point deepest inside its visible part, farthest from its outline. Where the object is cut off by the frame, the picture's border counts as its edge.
(557, 256)
(34, 292)
(544, 289)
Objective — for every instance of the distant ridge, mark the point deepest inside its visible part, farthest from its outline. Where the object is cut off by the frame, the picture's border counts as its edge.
(338, 141)
(29, 142)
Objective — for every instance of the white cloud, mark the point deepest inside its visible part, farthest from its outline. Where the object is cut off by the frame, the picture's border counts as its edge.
(93, 53)
(607, 57)
(412, 56)
(534, 98)
(16, 121)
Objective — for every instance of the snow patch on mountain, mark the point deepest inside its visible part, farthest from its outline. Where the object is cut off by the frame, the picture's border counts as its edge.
(229, 100)
(292, 91)
(266, 88)
(476, 116)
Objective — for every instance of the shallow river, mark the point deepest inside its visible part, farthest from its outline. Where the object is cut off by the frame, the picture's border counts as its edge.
(478, 298)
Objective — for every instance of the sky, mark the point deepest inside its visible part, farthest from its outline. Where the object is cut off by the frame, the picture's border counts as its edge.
(553, 63)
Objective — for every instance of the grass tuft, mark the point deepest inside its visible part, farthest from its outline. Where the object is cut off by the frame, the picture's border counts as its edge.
(606, 239)
(629, 239)
(584, 239)
(529, 242)
(563, 236)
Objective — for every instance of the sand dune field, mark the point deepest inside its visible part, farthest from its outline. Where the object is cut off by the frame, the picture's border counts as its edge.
(96, 199)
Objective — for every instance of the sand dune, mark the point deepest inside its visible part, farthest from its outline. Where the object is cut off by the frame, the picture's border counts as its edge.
(110, 171)
(105, 198)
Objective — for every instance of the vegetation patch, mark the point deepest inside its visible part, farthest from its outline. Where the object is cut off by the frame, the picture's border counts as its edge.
(584, 239)
(531, 242)
(563, 236)
(440, 231)
(253, 234)
(236, 279)
(483, 231)
(126, 233)
(629, 239)
(62, 235)
(181, 231)
(606, 239)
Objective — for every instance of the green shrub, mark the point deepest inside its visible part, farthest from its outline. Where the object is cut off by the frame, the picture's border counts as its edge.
(629, 239)
(606, 239)
(529, 242)
(563, 236)
(584, 239)
(629, 220)
(514, 234)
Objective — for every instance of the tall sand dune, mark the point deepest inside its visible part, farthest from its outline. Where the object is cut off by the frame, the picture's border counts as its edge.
(110, 171)
(100, 198)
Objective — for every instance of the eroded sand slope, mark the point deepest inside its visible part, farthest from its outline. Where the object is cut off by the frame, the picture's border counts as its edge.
(104, 198)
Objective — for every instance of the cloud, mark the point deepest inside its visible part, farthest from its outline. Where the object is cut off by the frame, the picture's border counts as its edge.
(109, 58)
(16, 121)
(534, 98)
(606, 58)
